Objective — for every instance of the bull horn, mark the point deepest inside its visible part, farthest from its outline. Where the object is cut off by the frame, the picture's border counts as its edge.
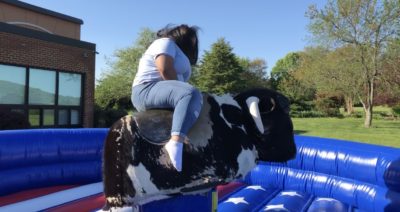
(252, 104)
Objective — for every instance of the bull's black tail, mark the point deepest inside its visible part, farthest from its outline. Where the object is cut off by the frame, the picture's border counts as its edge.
(116, 157)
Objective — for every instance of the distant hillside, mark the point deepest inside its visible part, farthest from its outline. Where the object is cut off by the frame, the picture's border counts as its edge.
(13, 92)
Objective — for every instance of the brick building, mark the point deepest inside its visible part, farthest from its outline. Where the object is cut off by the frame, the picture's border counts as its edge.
(47, 73)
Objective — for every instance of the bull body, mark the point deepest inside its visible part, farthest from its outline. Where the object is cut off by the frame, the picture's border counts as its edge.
(225, 144)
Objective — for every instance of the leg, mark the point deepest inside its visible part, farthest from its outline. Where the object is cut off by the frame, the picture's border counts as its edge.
(184, 98)
(186, 101)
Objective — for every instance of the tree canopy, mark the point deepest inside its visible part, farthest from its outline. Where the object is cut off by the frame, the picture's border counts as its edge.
(254, 72)
(114, 87)
(366, 25)
(284, 67)
(219, 71)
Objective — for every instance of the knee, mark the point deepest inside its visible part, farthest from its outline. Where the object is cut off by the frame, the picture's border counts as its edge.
(197, 97)
(196, 93)
(197, 101)
(193, 92)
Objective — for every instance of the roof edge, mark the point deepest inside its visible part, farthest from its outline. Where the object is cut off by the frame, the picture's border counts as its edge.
(8, 28)
(43, 11)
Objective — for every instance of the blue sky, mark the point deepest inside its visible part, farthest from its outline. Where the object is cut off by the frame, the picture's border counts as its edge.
(266, 29)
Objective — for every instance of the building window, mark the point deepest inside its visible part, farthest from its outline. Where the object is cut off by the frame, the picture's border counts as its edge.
(69, 89)
(42, 87)
(48, 117)
(12, 84)
(62, 117)
(34, 117)
(75, 117)
(47, 98)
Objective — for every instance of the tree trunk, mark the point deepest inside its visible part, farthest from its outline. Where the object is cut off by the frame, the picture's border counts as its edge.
(368, 117)
(349, 105)
(370, 104)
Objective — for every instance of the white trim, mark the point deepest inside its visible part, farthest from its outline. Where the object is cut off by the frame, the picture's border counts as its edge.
(55, 199)
(29, 24)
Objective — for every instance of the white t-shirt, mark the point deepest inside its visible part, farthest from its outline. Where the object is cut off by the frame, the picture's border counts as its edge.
(147, 70)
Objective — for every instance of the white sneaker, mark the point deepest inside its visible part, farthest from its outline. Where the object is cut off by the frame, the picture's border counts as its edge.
(175, 149)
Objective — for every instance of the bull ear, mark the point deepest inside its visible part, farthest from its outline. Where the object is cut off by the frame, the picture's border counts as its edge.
(252, 104)
(283, 103)
(232, 114)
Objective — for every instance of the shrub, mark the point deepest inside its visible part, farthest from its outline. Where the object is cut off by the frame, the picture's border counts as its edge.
(107, 117)
(307, 114)
(382, 115)
(12, 120)
(330, 106)
(355, 114)
(396, 110)
(305, 109)
(302, 106)
(378, 114)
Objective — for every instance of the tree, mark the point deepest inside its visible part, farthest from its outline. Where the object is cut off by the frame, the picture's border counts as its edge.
(344, 70)
(114, 87)
(287, 79)
(254, 73)
(367, 25)
(284, 67)
(391, 71)
(219, 71)
(334, 73)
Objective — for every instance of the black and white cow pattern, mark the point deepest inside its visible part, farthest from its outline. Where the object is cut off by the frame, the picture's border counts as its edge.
(225, 144)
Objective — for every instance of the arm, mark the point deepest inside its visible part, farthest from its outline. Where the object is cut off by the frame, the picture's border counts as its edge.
(165, 65)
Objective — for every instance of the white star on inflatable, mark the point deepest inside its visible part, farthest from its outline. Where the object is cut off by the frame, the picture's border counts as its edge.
(255, 187)
(290, 193)
(271, 207)
(237, 200)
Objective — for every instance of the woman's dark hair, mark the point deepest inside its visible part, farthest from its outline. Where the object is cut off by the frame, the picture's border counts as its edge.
(186, 39)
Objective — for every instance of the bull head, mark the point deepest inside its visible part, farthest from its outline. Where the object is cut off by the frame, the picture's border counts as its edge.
(267, 120)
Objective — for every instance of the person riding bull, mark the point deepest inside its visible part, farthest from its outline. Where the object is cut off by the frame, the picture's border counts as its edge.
(162, 82)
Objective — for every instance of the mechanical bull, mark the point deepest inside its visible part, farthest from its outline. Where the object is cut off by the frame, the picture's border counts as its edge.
(229, 137)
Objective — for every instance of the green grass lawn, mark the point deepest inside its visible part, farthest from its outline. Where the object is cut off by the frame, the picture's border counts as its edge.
(382, 132)
(376, 109)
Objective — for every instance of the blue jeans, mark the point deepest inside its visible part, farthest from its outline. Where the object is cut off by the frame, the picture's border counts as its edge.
(184, 98)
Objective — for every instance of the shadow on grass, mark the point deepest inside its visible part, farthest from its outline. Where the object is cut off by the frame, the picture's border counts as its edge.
(299, 132)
